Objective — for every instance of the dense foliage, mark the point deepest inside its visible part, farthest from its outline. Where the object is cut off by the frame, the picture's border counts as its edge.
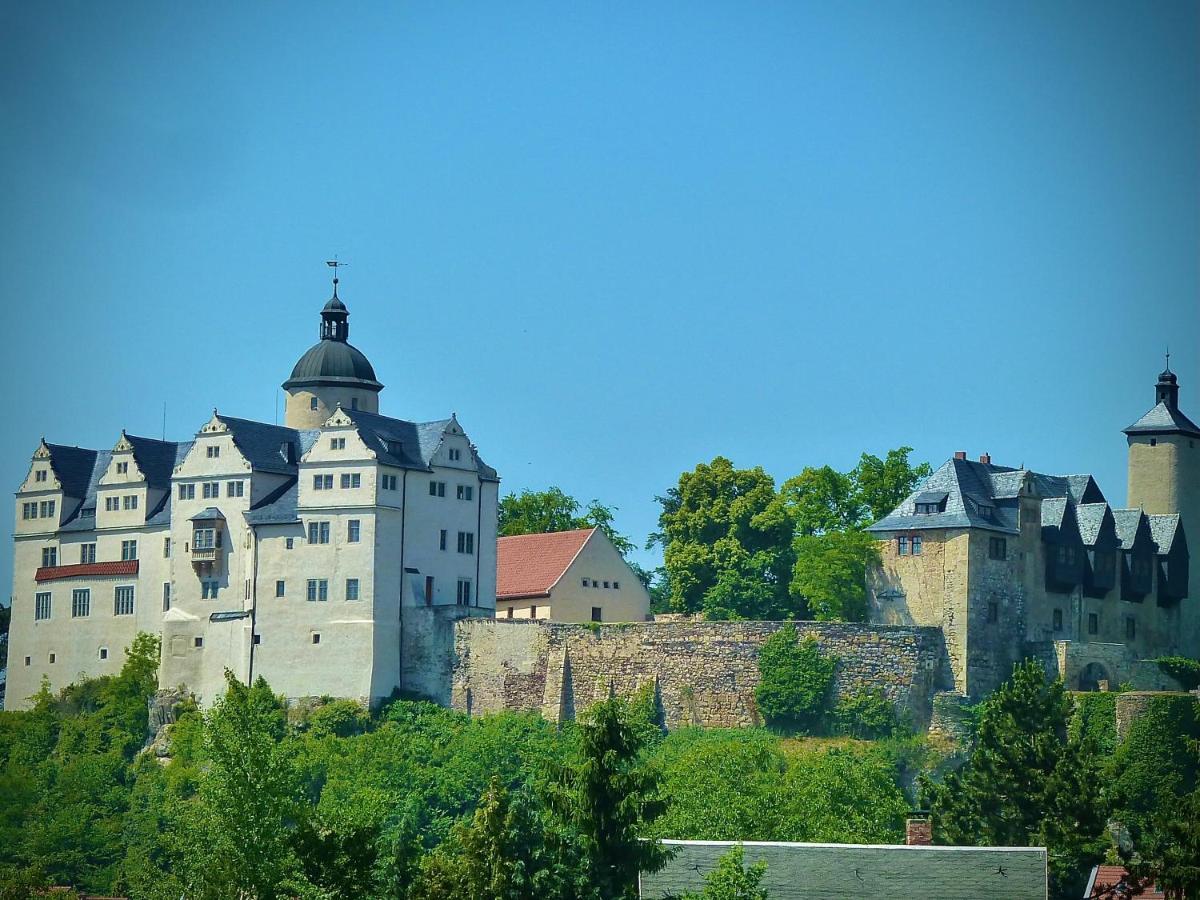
(538, 512)
(795, 681)
(1183, 669)
(732, 879)
(412, 802)
(735, 547)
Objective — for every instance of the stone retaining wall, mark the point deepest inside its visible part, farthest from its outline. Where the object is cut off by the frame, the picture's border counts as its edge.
(704, 673)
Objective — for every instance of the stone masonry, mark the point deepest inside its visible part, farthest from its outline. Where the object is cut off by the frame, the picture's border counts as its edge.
(703, 673)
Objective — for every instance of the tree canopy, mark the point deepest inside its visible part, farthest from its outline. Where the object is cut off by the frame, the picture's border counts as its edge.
(539, 512)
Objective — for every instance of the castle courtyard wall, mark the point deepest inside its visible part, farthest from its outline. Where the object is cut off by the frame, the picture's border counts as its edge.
(703, 673)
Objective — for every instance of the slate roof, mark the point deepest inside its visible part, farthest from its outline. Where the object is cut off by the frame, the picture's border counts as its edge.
(208, 514)
(409, 445)
(1164, 419)
(810, 871)
(1054, 513)
(156, 459)
(334, 360)
(1164, 529)
(1090, 518)
(277, 508)
(73, 467)
(1127, 521)
(261, 443)
(970, 501)
(1083, 489)
(530, 565)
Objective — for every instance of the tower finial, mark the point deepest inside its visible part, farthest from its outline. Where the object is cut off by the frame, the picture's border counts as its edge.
(1168, 357)
(334, 264)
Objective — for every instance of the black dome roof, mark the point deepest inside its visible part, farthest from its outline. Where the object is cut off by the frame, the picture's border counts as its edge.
(333, 359)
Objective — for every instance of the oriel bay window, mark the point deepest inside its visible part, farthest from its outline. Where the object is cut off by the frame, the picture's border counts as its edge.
(207, 537)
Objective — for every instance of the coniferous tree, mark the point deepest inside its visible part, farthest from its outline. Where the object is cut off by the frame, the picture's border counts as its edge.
(1026, 783)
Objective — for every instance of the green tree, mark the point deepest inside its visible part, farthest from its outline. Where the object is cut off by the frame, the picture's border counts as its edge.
(1027, 783)
(732, 880)
(250, 800)
(5, 619)
(829, 576)
(880, 484)
(726, 539)
(821, 500)
(795, 679)
(540, 512)
(611, 799)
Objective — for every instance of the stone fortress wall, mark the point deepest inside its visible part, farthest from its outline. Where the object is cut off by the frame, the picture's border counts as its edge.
(703, 673)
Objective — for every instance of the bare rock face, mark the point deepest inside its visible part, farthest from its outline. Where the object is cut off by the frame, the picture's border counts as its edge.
(162, 711)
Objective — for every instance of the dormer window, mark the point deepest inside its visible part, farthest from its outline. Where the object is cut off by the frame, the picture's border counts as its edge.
(39, 475)
(122, 468)
(337, 443)
(212, 451)
(929, 503)
(455, 454)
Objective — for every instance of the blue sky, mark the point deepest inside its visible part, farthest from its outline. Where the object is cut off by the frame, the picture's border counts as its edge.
(617, 239)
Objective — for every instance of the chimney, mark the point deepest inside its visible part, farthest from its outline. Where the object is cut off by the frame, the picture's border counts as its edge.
(960, 454)
(986, 459)
(918, 830)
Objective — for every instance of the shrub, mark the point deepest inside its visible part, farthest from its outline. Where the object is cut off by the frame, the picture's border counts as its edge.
(1183, 669)
(866, 714)
(796, 679)
(340, 718)
(1095, 720)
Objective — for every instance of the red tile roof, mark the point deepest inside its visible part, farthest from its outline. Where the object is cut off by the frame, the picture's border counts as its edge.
(1109, 882)
(529, 565)
(83, 570)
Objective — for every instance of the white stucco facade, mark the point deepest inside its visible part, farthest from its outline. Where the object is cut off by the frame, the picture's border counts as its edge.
(299, 552)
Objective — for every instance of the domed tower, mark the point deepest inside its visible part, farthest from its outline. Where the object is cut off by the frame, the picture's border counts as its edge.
(332, 371)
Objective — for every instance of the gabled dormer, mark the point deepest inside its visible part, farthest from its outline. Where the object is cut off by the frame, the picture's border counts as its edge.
(122, 498)
(54, 487)
(1137, 554)
(1102, 548)
(1171, 559)
(1064, 546)
(214, 467)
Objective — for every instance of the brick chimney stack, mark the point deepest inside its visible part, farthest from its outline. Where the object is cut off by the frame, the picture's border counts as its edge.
(986, 459)
(960, 454)
(918, 830)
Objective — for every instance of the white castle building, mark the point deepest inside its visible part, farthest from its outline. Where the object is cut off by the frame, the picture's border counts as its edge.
(319, 554)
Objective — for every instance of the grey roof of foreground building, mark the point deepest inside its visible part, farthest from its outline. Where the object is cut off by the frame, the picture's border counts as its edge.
(409, 445)
(970, 500)
(1165, 529)
(796, 870)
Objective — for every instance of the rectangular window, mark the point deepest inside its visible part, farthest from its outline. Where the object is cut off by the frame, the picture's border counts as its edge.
(123, 600)
(510, 612)
(47, 509)
(606, 584)
(1130, 628)
(616, 585)
(131, 501)
(204, 539)
(104, 653)
(353, 530)
(916, 544)
(442, 539)
(81, 603)
(351, 479)
(338, 443)
(211, 490)
(49, 557)
(466, 492)
(312, 402)
(316, 637)
(235, 488)
(351, 588)
(41, 606)
(166, 596)
(198, 643)
(389, 482)
(429, 590)
(437, 489)
(463, 597)
(212, 451)
(455, 454)
(289, 543)
(187, 492)
(318, 532)
(586, 582)
(466, 542)
(993, 612)
(318, 589)
(29, 510)
(39, 475)
(128, 550)
(597, 614)
(1058, 620)
(1093, 623)
(533, 612)
(280, 589)
(323, 482)
(902, 546)
(112, 504)
(997, 548)
(122, 468)
(87, 553)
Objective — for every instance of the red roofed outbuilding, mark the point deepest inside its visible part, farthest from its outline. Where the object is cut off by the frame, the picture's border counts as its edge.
(567, 576)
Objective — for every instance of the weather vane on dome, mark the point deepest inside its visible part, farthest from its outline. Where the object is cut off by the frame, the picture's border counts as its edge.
(335, 265)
